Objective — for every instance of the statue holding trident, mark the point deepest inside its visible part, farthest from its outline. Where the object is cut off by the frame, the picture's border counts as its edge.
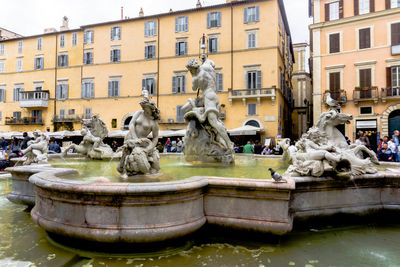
(206, 137)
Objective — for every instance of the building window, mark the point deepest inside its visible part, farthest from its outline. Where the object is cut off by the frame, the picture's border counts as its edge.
(88, 57)
(71, 111)
(395, 76)
(394, 3)
(150, 28)
(181, 24)
(88, 37)
(334, 84)
(2, 94)
(181, 48)
(115, 55)
(367, 110)
(62, 40)
(62, 91)
(149, 84)
(149, 51)
(88, 113)
(19, 64)
(39, 43)
(2, 66)
(62, 60)
(2, 49)
(363, 6)
(38, 86)
(74, 38)
(253, 79)
(87, 89)
(333, 11)
(179, 114)
(37, 116)
(365, 78)
(251, 109)
(395, 34)
(220, 81)
(251, 40)
(39, 64)
(16, 93)
(213, 19)
(113, 123)
(179, 84)
(113, 88)
(364, 38)
(20, 44)
(115, 33)
(334, 43)
(17, 115)
(251, 14)
(213, 45)
(62, 113)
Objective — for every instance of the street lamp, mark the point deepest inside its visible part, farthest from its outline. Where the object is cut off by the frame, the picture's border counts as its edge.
(202, 46)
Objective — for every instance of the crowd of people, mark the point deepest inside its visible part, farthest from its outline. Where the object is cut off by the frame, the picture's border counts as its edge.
(389, 148)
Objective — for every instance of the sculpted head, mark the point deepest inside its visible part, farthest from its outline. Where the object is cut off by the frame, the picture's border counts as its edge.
(334, 118)
(148, 104)
(193, 65)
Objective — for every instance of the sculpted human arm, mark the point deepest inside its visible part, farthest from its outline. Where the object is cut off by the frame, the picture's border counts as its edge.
(132, 131)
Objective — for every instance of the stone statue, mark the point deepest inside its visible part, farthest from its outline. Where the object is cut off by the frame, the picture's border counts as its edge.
(36, 152)
(92, 146)
(206, 137)
(323, 150)
(139, 153)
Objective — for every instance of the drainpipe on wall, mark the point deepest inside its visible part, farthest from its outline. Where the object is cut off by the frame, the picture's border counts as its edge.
(231, 46)
(55, 88)
(158, 58)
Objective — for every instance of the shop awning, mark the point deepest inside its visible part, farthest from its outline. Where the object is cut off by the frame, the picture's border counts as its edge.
(245, 130)
(366, 124)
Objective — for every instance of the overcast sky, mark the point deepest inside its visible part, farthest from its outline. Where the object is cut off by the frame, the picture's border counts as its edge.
(28, 17)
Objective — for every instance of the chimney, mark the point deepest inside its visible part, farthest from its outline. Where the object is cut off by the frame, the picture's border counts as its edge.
(170, 10)
(64, 26)
(141, 14)
(122, 12)
(198, 5)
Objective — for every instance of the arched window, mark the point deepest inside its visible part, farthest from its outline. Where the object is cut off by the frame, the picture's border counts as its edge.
(394, 121)
(253, 123)
(126, 123)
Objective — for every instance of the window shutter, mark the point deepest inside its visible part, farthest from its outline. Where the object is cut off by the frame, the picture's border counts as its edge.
(154, 50)
(83, 90)
(41, 63)
(84, 58)
(112, 35)
(177, 49)
(246, 82)
(109, 89)
(340, 9)
(144, 84)
(388, 77)
(185, 47)
(259, 79)
(208, 20)
(220, 82)
(327, 12)
(111, 55)
(356, 12)
(66, 91)
(395, 28)
(371, 6)
(174, 84)
(219, 18)
(91, 58)
(66, 60)
(146, 55)
(84, 37)
(58, 91)
(119, 33)
(387, 4)
(245, 15)
(186, 24)
(176, 24)
(92, 90)
(184, 84)
(257, 13)
(59, 61)
(118, 55)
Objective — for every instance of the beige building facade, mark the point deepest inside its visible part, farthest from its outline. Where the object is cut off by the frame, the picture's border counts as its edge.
(355, 52)
(52, 81)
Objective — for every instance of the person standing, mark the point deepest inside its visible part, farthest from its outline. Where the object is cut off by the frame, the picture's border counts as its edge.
(168, 145)
(179, 145)
(258, 148)
(365, 140)
(25, 141)
(385, 154)
(248, 148)
(54, 146)
(396, 141)
(4, 144)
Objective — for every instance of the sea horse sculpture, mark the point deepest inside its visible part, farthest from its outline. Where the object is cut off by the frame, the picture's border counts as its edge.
(323, 150)
(92, 146)
(139, 153)
(36, 152)
(206, 137)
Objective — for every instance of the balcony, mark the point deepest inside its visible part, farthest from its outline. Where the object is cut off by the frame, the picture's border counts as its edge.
(34, 99)
(340, 96)
(24, 121)
(365, 94)
(245, 94)
(390, 93)
(68, 118)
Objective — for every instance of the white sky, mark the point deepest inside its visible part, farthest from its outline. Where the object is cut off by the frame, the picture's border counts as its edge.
(31, 17)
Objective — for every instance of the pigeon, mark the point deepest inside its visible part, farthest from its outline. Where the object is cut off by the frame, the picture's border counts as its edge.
(276, 176)
(331, 102)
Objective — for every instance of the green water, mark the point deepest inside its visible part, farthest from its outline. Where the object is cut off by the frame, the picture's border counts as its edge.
(175, 168)
(22, 243)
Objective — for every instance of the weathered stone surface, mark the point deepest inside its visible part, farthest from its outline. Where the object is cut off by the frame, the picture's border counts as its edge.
(36, 152)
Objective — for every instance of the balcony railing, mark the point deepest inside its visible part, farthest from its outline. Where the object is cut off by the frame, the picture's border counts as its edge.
(365, 94)
(68, 118)
(34, 99)
(257, 93)
(340, 96)
(23, 121)
(391, 93)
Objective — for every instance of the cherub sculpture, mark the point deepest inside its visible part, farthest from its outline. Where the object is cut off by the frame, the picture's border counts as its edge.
(36, 152)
